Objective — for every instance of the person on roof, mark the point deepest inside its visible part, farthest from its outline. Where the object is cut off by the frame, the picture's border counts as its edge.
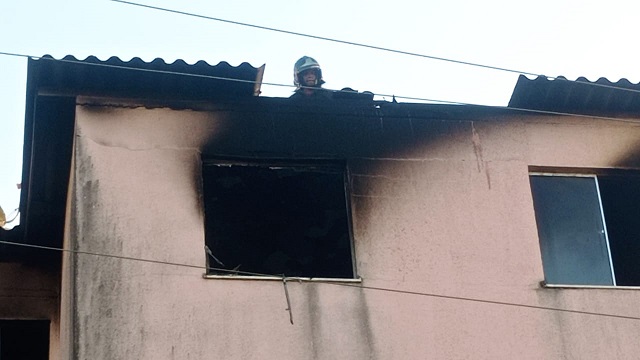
(307, 77)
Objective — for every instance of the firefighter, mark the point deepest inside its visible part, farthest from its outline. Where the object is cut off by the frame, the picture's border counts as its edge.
(307, 77)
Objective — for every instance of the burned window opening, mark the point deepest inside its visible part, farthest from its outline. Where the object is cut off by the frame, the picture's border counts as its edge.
(277, 218)
(24, 339)
(588, 227)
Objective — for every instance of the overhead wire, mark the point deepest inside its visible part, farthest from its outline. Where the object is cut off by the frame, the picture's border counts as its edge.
(348, 43)
(16, 211)
(324, 38)
(413, 98)
(139, 69)
(368, 46)
(378, 94)
(365, 287)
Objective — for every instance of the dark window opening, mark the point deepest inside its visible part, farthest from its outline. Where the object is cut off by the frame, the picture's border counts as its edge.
(24, 339)
(277, 219)
(589, 228)
(621, 206)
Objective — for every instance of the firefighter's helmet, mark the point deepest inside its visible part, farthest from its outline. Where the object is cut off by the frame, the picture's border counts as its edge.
(303, 64)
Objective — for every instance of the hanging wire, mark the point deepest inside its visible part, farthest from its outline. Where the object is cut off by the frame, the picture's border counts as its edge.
(413, 98)
(17, 212)
(373, 288)
(166, 72)
(368, 46)
(398, 291)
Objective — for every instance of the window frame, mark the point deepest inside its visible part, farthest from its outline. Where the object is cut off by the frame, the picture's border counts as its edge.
(594, 176)
(618, 201)
(331, 165)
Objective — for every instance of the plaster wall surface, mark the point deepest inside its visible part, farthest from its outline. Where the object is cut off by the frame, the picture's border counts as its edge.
(439, 207)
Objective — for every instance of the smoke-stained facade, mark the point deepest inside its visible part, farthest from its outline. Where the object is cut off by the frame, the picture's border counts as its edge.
(409, 231)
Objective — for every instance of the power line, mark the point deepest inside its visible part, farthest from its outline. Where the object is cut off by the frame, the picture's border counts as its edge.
(374, 288)
(317, 37)
(368, 46)
(128, 258)
(492, 302)
(16, 212)
(387, 95)
(544, 112)
(139, 69)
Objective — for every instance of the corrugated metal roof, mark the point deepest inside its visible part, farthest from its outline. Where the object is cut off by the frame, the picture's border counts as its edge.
(52, 87)
(577, 97)
(139, 79)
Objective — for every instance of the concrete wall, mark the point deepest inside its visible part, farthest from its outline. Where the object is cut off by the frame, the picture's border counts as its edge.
(439, 205)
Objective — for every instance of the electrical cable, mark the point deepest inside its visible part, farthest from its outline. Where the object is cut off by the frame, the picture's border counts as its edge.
(140, 69)
(545, 112)
(17, 212)
(396, 291)
(413, 116)
(492, 302)
(368, 46)
(334, 283)
(384, 95)
(126, 258)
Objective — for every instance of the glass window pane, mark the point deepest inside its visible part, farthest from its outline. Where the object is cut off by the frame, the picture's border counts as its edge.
(572, 237)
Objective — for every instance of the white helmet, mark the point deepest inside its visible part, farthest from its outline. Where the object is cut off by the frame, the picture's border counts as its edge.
(303, 64)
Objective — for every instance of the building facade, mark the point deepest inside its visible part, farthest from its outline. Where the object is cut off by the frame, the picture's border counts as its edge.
(260, 228)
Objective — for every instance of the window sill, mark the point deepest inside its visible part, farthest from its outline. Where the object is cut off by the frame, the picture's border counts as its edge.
(288, 278)
(597, 287)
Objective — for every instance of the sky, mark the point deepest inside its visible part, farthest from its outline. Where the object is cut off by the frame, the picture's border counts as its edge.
(547, 37)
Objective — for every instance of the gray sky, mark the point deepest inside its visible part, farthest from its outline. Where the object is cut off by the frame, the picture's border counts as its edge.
(551, 37)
